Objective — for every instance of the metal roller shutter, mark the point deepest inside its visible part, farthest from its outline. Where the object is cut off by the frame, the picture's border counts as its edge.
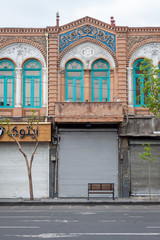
(140, 169)
(84, 157)
(13, 171)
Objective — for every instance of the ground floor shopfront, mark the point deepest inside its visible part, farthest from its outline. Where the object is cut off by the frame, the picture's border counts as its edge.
(80, 155)
(139, 168)
(134, 170)
(86, 156)
(107, 155)
(13, 170)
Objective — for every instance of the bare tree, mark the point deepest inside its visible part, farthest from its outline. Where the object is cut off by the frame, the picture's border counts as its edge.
(32, 121)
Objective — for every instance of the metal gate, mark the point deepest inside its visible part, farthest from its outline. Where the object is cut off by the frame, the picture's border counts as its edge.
(86, 157)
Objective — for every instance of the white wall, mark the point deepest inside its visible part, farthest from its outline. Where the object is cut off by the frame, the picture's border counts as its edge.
(13, 171)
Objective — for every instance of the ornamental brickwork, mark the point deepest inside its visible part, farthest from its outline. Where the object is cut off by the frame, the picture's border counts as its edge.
(86, 40)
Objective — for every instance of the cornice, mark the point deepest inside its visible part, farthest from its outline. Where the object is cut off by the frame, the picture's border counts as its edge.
(87, 20)
(22, 30)
(144, 30)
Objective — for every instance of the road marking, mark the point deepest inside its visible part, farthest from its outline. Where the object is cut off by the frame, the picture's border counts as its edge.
(125, 207)
(106, 206)
(13, 207)
(136, 216)
(145, 207)
(35, 220)
(66, 221)
(153, 227)
(87, 213)
(51, 207)
(32, 207)
(70, 207)
(110, 221)
(7, 227)
(24, 216)
(70, 235)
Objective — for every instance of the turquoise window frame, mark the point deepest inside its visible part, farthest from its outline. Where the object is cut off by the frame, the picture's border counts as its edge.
(100, 80)
(7, 80)
(141, 81)
(73, 79)
(31, 102)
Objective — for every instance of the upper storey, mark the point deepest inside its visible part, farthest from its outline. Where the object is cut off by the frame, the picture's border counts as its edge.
(85, 61)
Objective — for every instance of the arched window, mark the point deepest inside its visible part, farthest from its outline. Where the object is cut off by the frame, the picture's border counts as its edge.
(74, 81)
(100, 81)
(7, 78)
(32, 84)
(138, 83)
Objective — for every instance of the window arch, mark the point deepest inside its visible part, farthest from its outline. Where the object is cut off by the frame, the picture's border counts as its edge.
(7, 84)
(100, 81)
(138, 83)
(32, 84)
(74, 81)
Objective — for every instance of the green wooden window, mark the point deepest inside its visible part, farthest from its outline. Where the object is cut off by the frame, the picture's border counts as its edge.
(138, 83)
(32, 84)
(7, 84)
(74, 81)
(100, 81)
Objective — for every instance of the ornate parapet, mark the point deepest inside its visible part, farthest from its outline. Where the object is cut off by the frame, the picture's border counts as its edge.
(74, 35)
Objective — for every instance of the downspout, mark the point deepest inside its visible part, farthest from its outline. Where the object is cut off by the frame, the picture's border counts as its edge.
(46, 35)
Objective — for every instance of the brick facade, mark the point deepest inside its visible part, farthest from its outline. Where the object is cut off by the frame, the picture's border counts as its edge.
(46, 40)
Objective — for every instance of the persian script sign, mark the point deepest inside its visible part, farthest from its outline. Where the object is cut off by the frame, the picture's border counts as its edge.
(68, 38)
(23, 132)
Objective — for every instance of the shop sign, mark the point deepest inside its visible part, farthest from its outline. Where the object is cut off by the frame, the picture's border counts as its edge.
(23, 132)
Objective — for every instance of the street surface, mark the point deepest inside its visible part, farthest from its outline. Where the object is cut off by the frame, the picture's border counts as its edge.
(99, 222)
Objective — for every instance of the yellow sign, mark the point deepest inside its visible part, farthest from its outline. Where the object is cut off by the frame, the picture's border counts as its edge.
(23, 132)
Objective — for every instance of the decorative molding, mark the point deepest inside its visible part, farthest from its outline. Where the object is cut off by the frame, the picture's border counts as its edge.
(22, 30)
(139, 44)
(33, 41)
(87, 52)
(139, 40)
(150, 50)
(68, 38)
(84, 21)
(144, 29)
(19, 52)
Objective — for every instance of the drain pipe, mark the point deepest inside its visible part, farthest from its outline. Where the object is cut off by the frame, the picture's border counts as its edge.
(46, 35)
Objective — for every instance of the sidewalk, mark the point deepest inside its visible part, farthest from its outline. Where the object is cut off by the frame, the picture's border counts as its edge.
(73, 201)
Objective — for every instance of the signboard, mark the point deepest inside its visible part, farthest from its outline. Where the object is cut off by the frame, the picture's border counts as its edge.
(23, 133)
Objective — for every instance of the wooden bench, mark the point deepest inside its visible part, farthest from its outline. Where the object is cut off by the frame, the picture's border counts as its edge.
(101, 188)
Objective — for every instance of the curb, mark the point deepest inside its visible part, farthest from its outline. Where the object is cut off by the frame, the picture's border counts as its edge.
(56, 203)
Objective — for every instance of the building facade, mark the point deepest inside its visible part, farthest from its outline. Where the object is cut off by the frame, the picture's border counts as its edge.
(83, 78)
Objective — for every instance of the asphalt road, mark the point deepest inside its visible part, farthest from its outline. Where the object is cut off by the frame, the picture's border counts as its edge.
(100, 222)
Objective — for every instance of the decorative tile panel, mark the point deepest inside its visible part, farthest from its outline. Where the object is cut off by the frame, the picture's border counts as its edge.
(68, 38)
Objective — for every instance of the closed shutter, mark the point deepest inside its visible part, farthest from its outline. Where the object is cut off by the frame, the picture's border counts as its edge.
(140, 169)
(14, 175)
(86, 157)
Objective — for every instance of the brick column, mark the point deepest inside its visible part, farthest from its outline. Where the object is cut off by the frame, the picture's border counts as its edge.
(122, 57)
(52, 71)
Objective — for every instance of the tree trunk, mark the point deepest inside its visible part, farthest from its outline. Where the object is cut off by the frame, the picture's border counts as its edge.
(30, 185)
(149, 180)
